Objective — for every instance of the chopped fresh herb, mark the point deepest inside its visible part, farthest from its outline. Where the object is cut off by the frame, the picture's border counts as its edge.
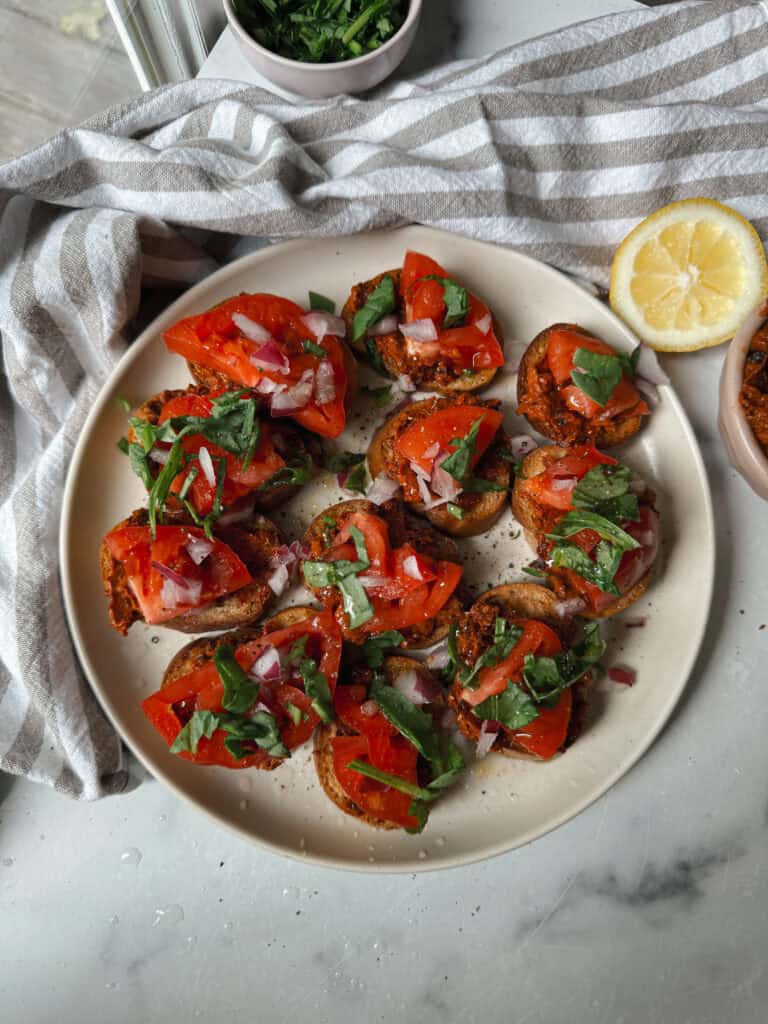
(337, 462)
(579, 519)
(316, 687)
(455, 510)
(375, 648)
(123, 401)
(410, 721)
(629, 362)
(455, 298)
(139, 465)
(260, 728)
(296, 471)
(401, 785)
(601, 572)
(313, 349)
(477, 485)
(296, 714)
(374, 357)
(240, 692)
(298, 650)
(318, 301)
(356, 479)
(381, 396)
(546, 678)
(201, 724)
(596, 375)
(532, 570)
(380, 303)
(342, 574)
(189, 479)
(329, 525)
(459, 462)
(505, 637)
(512, 707)
(123, 445)
(356, 602)
(605, 490)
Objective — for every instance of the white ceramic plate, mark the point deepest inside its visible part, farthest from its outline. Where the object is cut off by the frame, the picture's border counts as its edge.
(501, 804)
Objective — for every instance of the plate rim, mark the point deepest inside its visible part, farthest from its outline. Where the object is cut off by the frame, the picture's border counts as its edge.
(445, 861)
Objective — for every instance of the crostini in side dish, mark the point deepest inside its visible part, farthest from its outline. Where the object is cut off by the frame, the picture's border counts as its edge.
(446, 454)
(380, 568)
(382, 760)
(248, 698)
(419, 324)
(521, 672)
(296, 362)
(574, 388)
(174, 575)
(593, 525)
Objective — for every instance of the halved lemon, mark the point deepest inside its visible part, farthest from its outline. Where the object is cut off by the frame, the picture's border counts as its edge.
(688, 275)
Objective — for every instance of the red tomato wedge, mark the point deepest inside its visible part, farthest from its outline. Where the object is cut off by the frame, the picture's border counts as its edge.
(160, 596)
(201, 690)
(554, 487)
(561, 348)
(468, 347)
(213, 339)
(238, 482)
(537, 638)
(442, 427)
(398, 599)
(545, 735)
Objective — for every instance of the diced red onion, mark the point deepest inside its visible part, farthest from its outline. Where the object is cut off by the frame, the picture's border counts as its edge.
(418, 689)
(322, 324)
(160, 455)
(237, 512)
(387, 325)
(622, 674)
(261, 706)
(284, 563)
(649, 368)
(405, 383)
(521, 445)
(199, 548)
(428, 500)
(439, 659)
(638, 622)
(564, 483)
(269, 356)
(252, 330)
(484, 323)
(267, 386)
(172, 595)
(432, 451)
(572, 606)
(206, 464)
(441, 483)
(411, 568)
(295, 398)
(647, 538)
(371, 581)
(419, 330)
(369, 708)
(489, 730)
(279, 580)
(267, 665)
(382, 489)
(170, 574)
(325, 383)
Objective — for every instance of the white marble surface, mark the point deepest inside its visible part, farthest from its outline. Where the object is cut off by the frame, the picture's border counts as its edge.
(649, 907)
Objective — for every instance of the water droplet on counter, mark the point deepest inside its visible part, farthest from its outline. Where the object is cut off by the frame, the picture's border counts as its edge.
(114, 919)
(422, 854)
(440, 841)
(131, 856)
(170, 915)
(191, 941)
(163, 818)
(228, 926)
(7, 862)
(111, 985)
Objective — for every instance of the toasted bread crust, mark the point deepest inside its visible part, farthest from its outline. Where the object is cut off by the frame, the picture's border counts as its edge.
(323, 752)
(550, 416)
(254, 541)
(537, 520)
(393, 354)
(515, 600)
(263, 501)
(480, 510)
(403, 526)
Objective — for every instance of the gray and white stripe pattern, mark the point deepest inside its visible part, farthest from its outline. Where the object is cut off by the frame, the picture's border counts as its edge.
(556, 146)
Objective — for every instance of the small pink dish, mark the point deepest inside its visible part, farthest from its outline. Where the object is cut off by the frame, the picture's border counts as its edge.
(742, 446)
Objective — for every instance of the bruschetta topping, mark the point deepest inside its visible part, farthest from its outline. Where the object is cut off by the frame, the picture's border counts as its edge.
(177, 570)
(255, 701)
(268, 343)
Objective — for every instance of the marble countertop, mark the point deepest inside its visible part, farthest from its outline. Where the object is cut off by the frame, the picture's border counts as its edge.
(648, 907)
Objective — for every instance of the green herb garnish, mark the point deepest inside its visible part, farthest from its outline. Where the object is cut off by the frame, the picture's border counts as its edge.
(318, 301)
(380, 303)
(597, 375)
(201, 724)
(455, 298)
(313, 349)
(240, 692)
(316, 687)
(376, 647)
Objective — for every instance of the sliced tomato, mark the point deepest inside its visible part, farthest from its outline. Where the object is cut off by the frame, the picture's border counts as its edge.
(378, 799)
(376, 536)
(213, 339)
(554, 487)
(545, 735)
(561, 348)
(415, 267)
(221, 571)
(442, 427)
(537, 638)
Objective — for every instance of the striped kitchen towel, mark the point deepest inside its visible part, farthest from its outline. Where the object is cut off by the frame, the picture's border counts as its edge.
(556, 146)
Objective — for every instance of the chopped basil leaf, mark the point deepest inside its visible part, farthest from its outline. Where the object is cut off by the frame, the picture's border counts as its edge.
(123, 401)
(122, 445)
(221, 476)
(374, 357)
(418, 809)
(296, 471)
(455, 663)
(356, 479)
(260, 728)
(313, 349)
(337, 462)
(375, 647)
(505, 638)
(546, 678)
(240, 692)
(478, 485)
(579, 519)
(601, 571)
(342, 574)
(595, 374)
(605, 490)
(298, 650)
(316, 687)
(455, 510)
(189, 479)
(380, 302)
(413, 723)
(459, 462)
(162, 483)
(358, 539)
(394, 781)
(139, 464)
(513, 708)
(356, 603)
(629, 362)
(296, 714)
(201, 724)
(455, 299)
(318, 301)
(381, 396)
(531, 570)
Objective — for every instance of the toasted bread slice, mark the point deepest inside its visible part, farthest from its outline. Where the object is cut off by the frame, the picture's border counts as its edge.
(549, 415)
(388, 352)
(264, 500)
(254, 540)
(537, 520)
(323, 754)
(510, 601)
(481, 510)
(403, 527)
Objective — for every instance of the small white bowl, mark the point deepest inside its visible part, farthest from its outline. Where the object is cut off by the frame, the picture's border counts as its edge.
(317, 81)
(742, 446)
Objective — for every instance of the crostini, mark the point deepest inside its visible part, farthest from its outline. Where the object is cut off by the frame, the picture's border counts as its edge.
(420, 324)
(593, 525)
(446, 454)
(246, 699)
(296, 362)
(208, 451)
(382, 761)
(521, 673)
(379, 568)
(574, 388)
(173, 575)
